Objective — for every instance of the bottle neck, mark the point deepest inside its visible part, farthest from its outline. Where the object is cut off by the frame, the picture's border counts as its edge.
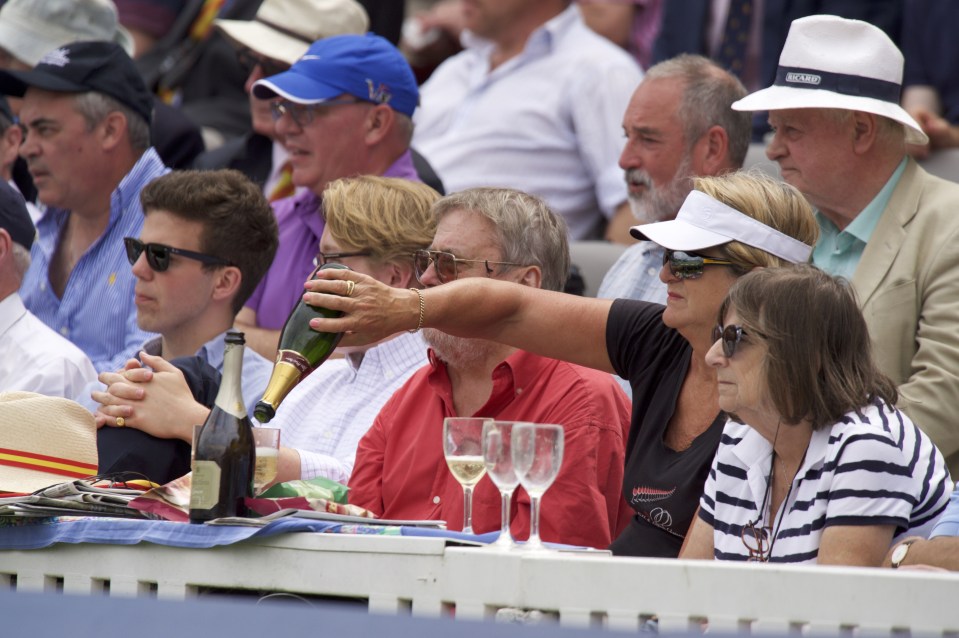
(229, 398)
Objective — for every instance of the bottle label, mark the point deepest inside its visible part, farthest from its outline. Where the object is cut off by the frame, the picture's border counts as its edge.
(295, 359)
(205, 488)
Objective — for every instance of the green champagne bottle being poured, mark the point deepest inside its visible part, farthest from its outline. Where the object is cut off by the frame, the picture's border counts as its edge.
(302, 349)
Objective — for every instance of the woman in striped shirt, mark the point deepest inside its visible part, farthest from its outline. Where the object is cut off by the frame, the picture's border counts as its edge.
(816, 464)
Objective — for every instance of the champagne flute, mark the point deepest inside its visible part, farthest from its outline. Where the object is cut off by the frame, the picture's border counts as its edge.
(498, 456)
(267, 442)
(463, 450)
(537, 456)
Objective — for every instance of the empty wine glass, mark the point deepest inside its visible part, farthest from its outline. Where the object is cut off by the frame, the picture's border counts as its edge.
(463, 450)
(537, 457)
(497, 453)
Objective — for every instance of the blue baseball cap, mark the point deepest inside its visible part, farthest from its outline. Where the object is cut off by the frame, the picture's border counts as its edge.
(365, 66)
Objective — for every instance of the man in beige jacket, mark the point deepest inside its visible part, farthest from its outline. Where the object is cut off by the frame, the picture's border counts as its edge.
(888, 226)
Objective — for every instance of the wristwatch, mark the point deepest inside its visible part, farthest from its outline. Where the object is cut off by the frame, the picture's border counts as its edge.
(899, 553)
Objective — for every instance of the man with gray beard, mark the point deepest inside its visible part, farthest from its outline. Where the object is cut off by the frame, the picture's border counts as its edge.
(400, 471)
(678, 125)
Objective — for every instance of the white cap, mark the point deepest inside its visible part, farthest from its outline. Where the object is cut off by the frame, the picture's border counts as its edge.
(703, 222)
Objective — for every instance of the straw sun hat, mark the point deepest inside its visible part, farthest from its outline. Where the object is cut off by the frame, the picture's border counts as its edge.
(44, 441)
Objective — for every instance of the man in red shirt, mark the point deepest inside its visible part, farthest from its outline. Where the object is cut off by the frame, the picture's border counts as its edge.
(400, 471)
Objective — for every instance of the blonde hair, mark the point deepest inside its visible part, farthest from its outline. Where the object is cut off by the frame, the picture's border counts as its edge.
(387, 216)
(770, 201)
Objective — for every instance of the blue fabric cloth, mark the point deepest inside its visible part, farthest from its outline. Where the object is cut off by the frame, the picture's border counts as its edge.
(97, 312)
(36, 534)
(948, 524)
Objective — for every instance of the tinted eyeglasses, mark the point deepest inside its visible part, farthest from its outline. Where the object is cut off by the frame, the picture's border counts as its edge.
(250, 59)
(158, 255)
(304, 114)
(731, 335)
(322, 258)
(445, 264)
(756, 539)
(687, 265)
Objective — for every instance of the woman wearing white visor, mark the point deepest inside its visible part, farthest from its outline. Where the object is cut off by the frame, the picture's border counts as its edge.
(726, 227)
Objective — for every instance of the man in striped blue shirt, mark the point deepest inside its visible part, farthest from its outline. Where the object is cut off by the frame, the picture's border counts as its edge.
(87, 115)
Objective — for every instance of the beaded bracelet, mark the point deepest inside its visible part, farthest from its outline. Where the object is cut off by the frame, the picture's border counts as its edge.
(422, 311)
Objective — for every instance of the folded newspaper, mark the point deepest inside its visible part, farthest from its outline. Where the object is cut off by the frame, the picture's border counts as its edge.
(76, 498)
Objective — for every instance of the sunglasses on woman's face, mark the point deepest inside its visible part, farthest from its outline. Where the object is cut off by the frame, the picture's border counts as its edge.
(687, 265)
(158, 255)
(731, 335)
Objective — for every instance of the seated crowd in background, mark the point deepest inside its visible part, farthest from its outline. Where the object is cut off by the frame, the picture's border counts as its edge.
(112, 265)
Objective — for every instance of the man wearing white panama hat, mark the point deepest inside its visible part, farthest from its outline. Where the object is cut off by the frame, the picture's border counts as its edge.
(840, 137)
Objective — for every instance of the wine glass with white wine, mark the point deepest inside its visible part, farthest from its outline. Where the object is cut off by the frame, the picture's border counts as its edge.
(498, 456)
(267, 442)
(537, 456)
(463, 449)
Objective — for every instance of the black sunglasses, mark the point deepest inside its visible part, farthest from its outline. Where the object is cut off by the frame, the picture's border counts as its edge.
(249, 60)
(687, 265)
(322, 258)
(731, 335)
(445, 264)
(158, 255)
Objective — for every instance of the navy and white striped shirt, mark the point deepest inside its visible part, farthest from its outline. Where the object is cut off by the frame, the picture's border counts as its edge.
(874, 467)
(97, 312)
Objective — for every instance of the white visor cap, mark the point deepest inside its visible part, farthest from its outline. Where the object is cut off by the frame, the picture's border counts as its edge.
(704, 222)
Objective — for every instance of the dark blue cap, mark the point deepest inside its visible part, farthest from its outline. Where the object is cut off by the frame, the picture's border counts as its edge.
(79, 67)
(365, 66)
(14, 217)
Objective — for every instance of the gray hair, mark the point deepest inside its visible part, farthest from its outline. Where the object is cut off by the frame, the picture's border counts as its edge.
(21, 260)
(95, 106)
(528, 232)
(707, 98)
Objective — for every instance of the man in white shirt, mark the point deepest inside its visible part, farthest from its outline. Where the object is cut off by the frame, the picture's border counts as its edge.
(33, 357)
(533, 103)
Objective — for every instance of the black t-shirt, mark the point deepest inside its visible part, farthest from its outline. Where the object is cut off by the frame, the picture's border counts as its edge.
(662, 485)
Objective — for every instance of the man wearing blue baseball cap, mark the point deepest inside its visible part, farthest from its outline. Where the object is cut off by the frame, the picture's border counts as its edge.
(344, 108)
(35, 358)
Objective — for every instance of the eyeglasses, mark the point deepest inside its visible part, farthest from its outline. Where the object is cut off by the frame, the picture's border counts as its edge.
(304, 114)
(322, 258)
(249, 60)
(731, 335)
(158, 255)
(755, 538)
(445, 264)
(686, 265)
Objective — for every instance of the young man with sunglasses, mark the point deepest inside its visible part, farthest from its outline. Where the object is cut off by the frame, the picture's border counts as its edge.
(343, 109)
(207, 239)
(87, 115)
(400, 471)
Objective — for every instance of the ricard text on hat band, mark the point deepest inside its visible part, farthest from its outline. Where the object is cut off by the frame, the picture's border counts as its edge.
(855, 85)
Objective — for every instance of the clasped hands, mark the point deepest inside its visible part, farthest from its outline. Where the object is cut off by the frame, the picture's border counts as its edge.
(151, 396)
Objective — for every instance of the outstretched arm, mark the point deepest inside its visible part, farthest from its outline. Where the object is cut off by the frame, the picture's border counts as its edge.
(551, 324)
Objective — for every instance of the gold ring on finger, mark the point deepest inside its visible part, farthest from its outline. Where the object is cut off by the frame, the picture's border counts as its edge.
(350, 286)
(121, 422)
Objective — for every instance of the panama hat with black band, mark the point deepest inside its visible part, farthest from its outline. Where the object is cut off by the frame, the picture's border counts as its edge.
(833, 63)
